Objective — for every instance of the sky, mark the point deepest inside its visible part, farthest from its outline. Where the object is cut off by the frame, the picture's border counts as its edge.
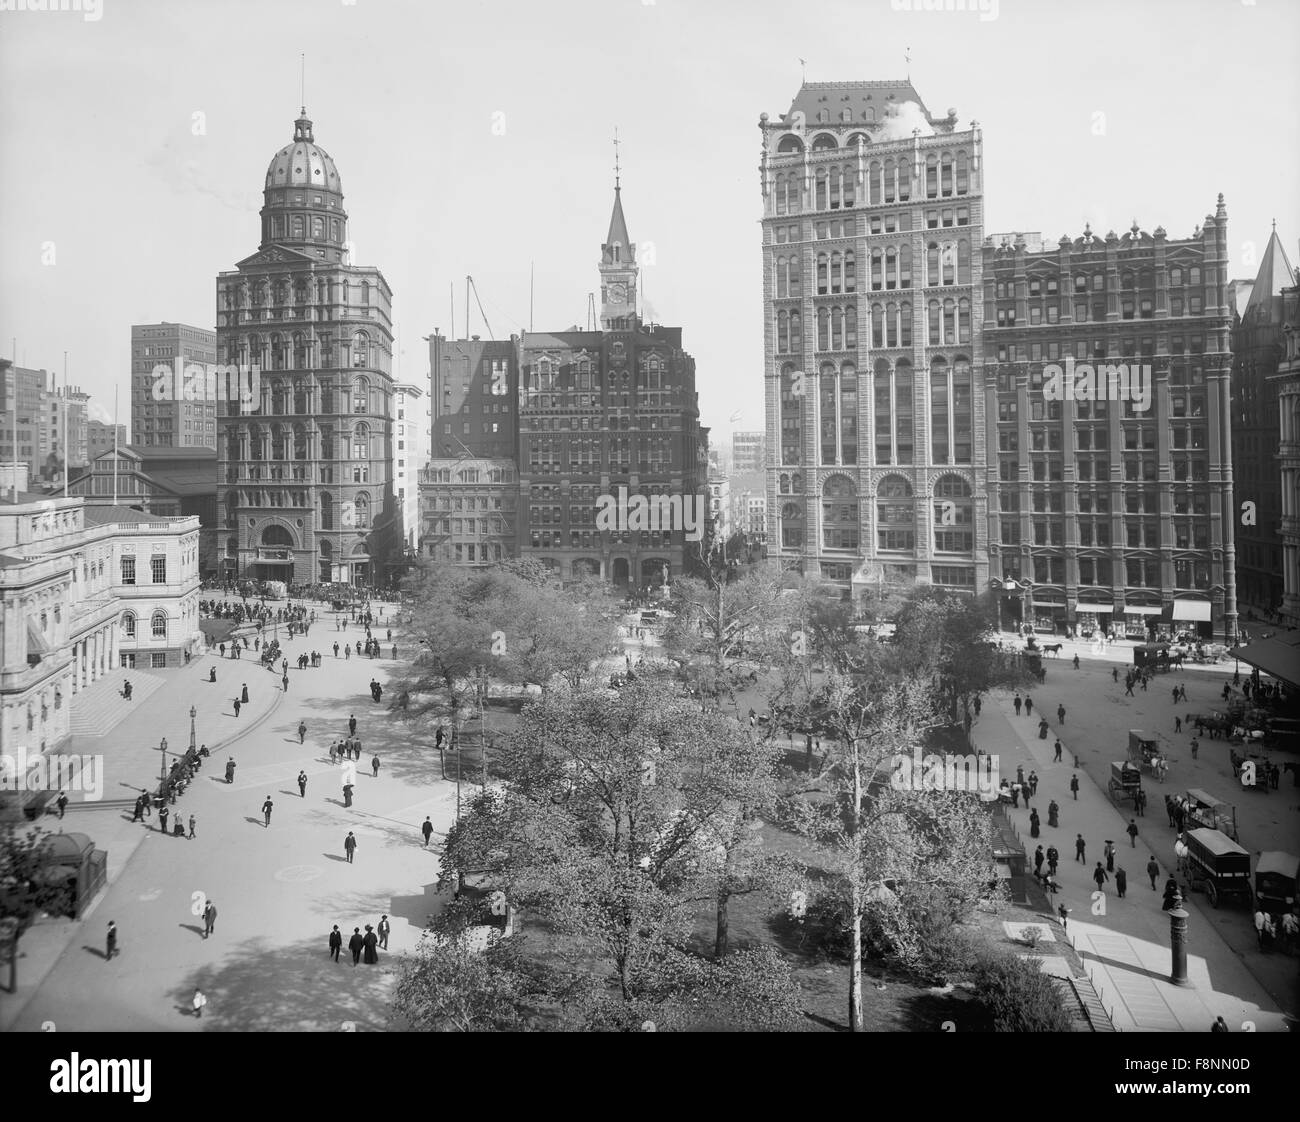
(475, 138)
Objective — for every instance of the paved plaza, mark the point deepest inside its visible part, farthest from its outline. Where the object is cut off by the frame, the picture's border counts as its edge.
(277, 890)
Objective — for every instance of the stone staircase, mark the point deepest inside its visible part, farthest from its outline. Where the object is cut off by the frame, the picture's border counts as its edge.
(100, 706)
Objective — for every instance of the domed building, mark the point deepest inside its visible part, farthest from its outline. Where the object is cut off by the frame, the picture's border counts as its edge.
(305, 465)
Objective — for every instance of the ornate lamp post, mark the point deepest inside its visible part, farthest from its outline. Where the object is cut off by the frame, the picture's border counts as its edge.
(162, 767)
(193, 714)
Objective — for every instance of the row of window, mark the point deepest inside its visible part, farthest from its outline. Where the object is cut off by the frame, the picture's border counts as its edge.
(1145, 279)
(157, 625)
(1096, 533)
(887, 181)
(300, 352)
(1140, 572)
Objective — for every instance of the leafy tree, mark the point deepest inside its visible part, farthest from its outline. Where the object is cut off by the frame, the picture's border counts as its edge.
(1018, 995)
(25, 893)
(453, 986)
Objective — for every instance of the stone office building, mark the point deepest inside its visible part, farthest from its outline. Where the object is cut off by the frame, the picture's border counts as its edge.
(872, 221)
(1107, 509)
(304, 481)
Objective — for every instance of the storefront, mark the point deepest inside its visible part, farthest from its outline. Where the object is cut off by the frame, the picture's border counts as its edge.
(1193, 618)
(1092, 619)
(1049, 615)
(1140, 620)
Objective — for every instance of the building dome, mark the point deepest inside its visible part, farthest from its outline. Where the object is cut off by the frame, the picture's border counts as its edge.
(303, 163)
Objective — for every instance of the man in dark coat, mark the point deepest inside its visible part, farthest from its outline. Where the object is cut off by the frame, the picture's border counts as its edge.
(336, 943)
(1080, 850)
(1100, 876)
(352, 726)
(1053, 859)
(350, 845)
(356, 945)
(110, 941)
(163, 812)
(243, 694)
(302, 784)
(384, 928)
(1074, 787)
(347, 801)
(369, 943)
(209, 918)
(1038, 861)
(266, 810)
(1121, 882)
(1153, 871)
(427, 829)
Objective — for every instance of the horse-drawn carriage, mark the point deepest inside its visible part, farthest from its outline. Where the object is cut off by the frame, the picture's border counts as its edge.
(1144, 753)
(1204, 811)
(1215, 864)
(1125, 782)
(1215, 723)
(1275, 882)
(1250, 768)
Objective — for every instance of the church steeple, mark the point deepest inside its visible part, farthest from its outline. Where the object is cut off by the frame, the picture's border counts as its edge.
(618, 269)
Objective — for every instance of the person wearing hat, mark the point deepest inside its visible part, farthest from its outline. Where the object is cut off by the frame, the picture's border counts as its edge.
(368, 944)
(336, 942)
(110, 941)
(384, 928)
(200, 1000)
(1109, 853)
(356, 944)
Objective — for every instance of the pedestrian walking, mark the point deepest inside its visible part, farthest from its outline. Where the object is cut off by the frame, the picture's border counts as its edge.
(334, 749)
(1076, 662)
(1121, 882)
(371, 956)
(230, 770)
(374, 766)
(266, 809)
(350, 845)
(427, 830)
(302, 784)
(126, 689)
(356, 945)
(1053, 810)
(193, 823)
(336, 649)
(284, 682)
(1153, 871)
(1178, 724)
(1029, 706)
(347, 653)
(1220, 1025)
(110, 941)
(1132, 830)
(1033, 783)
(237, 704)
(1053, 859)
(1039, 858)
(1128, 687)
(163, 812)
(209, 918)
(1074, 786)
(347, 795)
(1140, 801)
(1056, 758)
(1017, 703)
(243, 694)
(1080, 849)
(302, 732)
(1114, 673)
(384, 928)
(1100, 877)
(352, 725)
(1109, 854)
(1196, 747)
(62, 803)
(1060, 714)
(336, 942)
(138, 816)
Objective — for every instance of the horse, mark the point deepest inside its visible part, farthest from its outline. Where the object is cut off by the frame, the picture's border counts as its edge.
(1052, 649)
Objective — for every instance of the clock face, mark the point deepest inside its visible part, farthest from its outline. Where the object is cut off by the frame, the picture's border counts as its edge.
(617, 293)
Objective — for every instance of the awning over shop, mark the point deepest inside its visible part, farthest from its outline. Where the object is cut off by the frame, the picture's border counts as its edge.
(1141, 610)
(1278, 655)
(1096, 609)
(1198, 610)
(1049, 604)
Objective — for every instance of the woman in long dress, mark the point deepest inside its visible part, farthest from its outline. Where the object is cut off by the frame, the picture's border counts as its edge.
(370, 956)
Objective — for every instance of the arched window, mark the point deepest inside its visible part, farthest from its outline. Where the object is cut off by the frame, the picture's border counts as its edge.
(276, 535)
(792, 529)
(361, 442)
(837, 273)
(789, 145)
(326, 511)
(839, 513)
(796, 332)
(848, 412)
(877, 270)
(932, 263)
(850, 272)
(128, 625)
(827, 398)
(296, 226)
(791, 417)
(823, 329)
(954, 521)
(255, 449)
(300, 346)
(317, 227)
(963, 175)
(299, 441)
(301, 397)
(277, 395)
(963, 262)
(278, 451)
(823, 280)
(779, 191)
(158, 625)
(782, 332)
(361, 349)
(837, 329)
(851, 327)
(361, 395)
(946, 174)
(931, 178)
(362, 502)
(277, 352)
(895, 515)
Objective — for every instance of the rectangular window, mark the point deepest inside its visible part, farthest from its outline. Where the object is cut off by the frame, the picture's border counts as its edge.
(158, 565)
(128, 570)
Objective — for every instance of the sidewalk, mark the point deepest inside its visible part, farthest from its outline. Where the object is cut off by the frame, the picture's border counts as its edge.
(1124, 943)
(129, 760)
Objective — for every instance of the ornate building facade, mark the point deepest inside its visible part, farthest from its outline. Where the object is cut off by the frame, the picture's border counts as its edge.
(304, 481)
(1109, 507)
(872, 296)
(1287, 380)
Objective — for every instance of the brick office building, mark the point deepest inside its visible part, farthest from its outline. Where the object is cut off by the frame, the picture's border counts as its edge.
(1102, 513)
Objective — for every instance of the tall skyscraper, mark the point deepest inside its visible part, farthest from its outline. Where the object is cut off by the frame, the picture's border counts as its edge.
(304, 485)
(1106, 382)
(872, 219)
(164, 417)
(748, 452)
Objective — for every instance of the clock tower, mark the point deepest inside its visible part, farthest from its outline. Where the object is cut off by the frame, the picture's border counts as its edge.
(618, 271)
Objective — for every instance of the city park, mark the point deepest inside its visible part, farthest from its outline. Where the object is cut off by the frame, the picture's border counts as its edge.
(677, 815)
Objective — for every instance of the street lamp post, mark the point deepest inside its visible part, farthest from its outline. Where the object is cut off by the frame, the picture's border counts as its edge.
(1178, 942)
(193, 714)
(162, 772)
